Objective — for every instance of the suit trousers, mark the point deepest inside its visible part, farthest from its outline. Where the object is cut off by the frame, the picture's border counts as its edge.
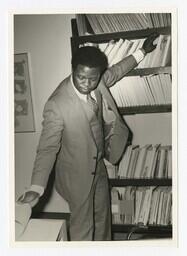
(91, 219)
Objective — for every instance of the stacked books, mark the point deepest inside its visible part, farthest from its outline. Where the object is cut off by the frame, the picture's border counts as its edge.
(149, 161)
(115, 22)
(149, 90)
(142, 205)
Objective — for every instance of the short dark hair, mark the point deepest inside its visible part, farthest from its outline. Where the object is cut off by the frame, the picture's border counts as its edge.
(89, 56)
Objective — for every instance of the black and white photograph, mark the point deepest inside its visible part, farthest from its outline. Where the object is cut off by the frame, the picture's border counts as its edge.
(99, 164)
(93, 127)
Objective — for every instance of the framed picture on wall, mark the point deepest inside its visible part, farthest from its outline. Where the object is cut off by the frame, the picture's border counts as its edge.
(23, 104)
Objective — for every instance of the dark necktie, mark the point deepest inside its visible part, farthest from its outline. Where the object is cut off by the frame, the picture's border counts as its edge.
(92, 103)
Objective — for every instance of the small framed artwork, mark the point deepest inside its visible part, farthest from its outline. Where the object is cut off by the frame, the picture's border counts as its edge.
(23, 103)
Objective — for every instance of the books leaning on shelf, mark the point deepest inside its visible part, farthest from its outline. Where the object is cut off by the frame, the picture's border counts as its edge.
(117, 50)
(142, 205)
(149, 161)
(149, 90)
(115, 22)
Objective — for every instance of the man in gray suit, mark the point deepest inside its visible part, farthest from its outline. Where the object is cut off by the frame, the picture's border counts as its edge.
(81, 127)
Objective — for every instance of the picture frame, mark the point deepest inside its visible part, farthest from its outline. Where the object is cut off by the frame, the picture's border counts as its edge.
(23, 103)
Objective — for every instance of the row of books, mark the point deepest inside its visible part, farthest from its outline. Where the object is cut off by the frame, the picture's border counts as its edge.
(149, 161)
(115, 22)
(141, 91)
(117, 50)
(146, 162)
(142, 205)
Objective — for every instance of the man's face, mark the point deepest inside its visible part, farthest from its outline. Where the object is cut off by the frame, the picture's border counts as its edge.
(85, 79)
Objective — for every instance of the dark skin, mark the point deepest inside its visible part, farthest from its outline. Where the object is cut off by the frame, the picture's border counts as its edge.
(86, 77)
(148, 45)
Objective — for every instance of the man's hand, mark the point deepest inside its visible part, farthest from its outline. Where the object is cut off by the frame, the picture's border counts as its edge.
(148, 45)
(30, 197)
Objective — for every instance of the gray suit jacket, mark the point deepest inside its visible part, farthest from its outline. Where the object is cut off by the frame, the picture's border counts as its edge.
(66, 139)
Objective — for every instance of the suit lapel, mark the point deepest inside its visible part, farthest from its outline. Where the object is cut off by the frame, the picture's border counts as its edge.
(99, 101)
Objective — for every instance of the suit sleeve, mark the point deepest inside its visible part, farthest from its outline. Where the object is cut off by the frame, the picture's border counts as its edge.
(49, 144)
(119, 70)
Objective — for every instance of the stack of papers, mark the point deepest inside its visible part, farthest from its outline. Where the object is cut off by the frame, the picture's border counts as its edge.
(45, 230)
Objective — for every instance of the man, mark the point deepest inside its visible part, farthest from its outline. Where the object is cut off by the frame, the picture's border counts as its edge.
(81, 127)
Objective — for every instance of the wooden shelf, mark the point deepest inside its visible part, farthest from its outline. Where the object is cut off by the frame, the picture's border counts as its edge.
(133, 34)
(148, 71)
(159, 229)
(145, 109)
(140, 182)
(76, 40)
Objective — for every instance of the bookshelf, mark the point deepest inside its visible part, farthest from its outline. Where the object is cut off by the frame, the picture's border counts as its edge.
(101, 38)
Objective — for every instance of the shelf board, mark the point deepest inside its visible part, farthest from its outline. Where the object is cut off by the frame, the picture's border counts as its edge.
(105, 37)
(145, 109)
(148, 71)
(140, 182)
(138, 229)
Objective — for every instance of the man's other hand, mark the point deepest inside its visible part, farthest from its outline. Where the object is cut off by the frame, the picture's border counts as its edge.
(148, 45)
(30, 197)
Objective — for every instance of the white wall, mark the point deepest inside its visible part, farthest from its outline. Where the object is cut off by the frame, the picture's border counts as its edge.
(47, 39)
(151, 128)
